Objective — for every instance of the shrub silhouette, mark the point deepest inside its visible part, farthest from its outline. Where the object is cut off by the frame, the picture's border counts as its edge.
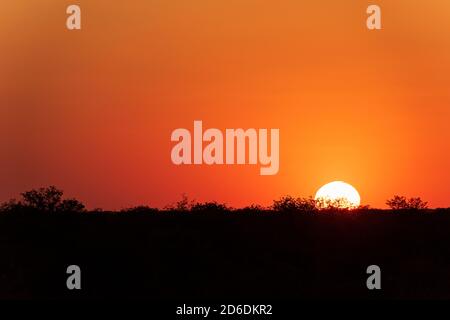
(183, 205)
(289, 203)
(50, 199)
(333, 204)
(70, 205)
(47, 199)
(402, 203)
(44, 199)
(11, 205)
(209, 206)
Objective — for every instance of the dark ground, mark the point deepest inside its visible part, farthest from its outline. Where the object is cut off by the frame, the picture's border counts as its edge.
(212, 255)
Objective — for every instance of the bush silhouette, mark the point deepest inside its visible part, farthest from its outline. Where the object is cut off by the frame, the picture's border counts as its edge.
(402, 203)
(209, 206)
(50, 200)
(70, 205)
(333, 204)
(11, 205)
(44, 199)
(182, 205)
(47, 199)
(289, 203)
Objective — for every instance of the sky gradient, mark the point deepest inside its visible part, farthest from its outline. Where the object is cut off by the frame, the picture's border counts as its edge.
(92, 111)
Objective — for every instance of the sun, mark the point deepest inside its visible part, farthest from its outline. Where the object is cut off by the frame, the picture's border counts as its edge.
(337, 194)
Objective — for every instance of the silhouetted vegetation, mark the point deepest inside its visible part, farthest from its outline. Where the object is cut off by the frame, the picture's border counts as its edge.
(182, 205)
(207, 250)
(47, 200)
(50, 200)
(290, 204)
(402, 203)
(209, 207)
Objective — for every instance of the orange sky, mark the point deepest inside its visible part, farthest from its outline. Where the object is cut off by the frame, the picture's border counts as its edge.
(92, 111)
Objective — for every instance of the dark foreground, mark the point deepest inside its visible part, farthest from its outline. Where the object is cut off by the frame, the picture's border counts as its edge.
(212, 255)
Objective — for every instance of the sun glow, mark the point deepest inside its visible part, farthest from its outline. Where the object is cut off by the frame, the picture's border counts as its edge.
(337, 194)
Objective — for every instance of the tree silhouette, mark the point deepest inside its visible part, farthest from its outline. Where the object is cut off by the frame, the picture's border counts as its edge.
(209, 206)
(289, 203)
(182, 205)
(47, 199)
(70, 205)
(11, 205)
(44, 199)
(402, 203)
(50, 199)
(333, 204)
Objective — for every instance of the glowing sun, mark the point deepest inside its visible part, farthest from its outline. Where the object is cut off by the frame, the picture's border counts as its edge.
(337, 194)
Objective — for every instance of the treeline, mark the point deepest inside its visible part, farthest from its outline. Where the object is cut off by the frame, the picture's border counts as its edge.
(51, 200)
